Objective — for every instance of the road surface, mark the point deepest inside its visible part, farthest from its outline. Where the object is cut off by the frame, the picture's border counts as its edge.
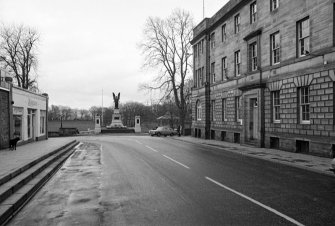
(142, 180)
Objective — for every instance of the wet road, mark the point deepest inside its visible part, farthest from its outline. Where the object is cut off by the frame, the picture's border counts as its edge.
(136, 180)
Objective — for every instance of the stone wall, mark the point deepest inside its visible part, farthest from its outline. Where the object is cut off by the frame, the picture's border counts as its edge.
(4, 119)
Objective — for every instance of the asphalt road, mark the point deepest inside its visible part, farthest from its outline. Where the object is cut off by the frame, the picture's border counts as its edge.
(137, 180)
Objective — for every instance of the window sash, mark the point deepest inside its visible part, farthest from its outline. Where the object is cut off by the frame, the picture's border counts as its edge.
(276, 105)
(237, 63)
(224, 68)
(304, 104)
(237, 108)
(213, 40)
(253, 12)
(274, 4)
(253, 55)
(275, 48)
(199, 111)
(237, 23)
(213, 72)
(224, 108)
(223, 33)
(213, 110)
(303, 37)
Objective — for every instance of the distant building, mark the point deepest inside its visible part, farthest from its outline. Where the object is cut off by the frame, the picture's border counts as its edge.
(264, 75)
(29, 115)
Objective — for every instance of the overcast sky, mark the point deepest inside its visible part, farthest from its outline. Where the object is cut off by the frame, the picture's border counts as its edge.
(90, 45)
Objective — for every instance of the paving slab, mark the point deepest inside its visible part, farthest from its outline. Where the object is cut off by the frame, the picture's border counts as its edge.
(13, 160)
(299, 160)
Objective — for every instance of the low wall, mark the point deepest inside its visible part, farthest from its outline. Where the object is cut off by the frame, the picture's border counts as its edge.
(81, 125)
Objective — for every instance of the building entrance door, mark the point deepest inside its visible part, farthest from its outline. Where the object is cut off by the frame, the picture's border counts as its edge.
(253, 119)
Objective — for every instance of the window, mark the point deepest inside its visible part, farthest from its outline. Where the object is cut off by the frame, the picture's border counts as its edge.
(253, 12)
(274, 4)
(237, 21)
(212, 110)
(224, 72)
(304, 105)
(195, 51)
(198, 111)
(237, 108)
(199, 78)
(224, 33)
(42, 124)
(195, 78)
(213, 40)
(224, 109)
(29, 123)
(275, 48)
(202, 76)
(202, 44)
(237, 63)
(253, 56)
(276, 105)
(303, 37)
(213, 72)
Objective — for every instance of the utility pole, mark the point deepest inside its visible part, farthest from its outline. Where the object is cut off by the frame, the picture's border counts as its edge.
(203, 9)
(102, 107)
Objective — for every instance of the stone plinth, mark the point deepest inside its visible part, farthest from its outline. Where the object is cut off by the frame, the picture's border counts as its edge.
(138, 124)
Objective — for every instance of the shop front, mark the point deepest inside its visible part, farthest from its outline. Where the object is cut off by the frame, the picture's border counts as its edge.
(29, 115)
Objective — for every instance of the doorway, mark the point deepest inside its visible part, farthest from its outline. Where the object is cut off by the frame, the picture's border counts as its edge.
(253, 119)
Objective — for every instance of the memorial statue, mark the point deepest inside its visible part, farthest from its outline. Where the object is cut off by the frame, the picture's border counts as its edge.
(116, 100)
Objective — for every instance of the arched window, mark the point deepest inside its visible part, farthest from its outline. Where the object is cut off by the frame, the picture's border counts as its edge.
(198, 111)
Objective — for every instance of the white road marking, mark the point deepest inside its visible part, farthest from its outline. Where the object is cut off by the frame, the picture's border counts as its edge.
(256, 202)
(176, 162)
(138, 142)
(151, 148)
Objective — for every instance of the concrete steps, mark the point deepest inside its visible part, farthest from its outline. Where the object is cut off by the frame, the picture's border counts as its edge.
(18, 187)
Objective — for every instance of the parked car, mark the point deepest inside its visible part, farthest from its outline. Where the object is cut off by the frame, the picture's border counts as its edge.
(163, 131)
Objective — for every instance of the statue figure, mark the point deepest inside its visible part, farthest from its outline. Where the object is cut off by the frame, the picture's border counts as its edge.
(116, 100)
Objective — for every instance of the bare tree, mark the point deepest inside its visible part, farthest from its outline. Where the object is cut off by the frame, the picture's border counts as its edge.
(18, 51)
(167, 46)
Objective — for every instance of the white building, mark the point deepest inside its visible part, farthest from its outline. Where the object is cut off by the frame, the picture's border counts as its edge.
(29, 115)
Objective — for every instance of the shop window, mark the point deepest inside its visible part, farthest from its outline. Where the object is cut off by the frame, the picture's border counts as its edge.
(18, 126)
(302, 146)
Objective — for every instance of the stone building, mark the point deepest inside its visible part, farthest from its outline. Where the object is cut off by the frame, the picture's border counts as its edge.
(264, 75)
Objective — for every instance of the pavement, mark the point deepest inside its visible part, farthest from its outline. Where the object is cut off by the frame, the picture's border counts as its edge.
(12, 160)
(302, 161)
